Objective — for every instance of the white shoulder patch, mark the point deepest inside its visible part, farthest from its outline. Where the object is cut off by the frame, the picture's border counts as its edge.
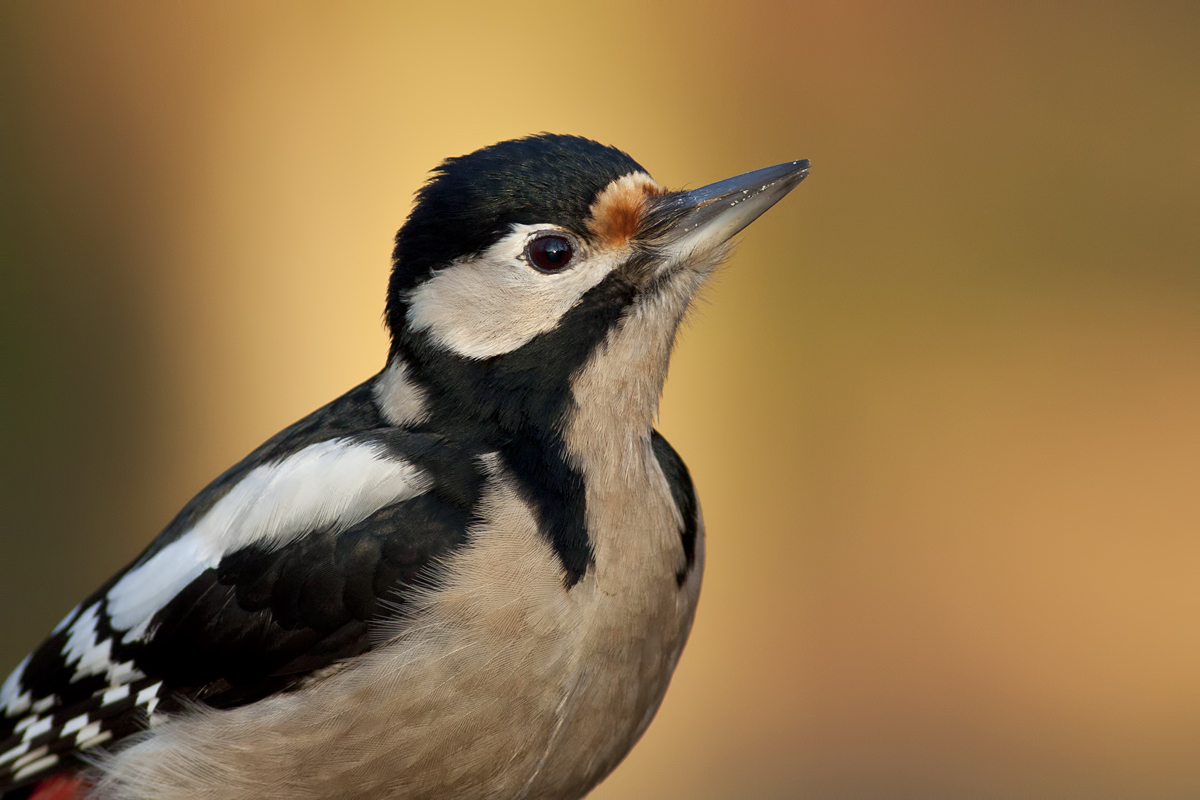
(329, 485)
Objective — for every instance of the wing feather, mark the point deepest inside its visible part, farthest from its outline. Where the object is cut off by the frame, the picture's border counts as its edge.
(262, 612)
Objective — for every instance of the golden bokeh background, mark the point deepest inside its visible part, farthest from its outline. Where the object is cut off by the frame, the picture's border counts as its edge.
(943, 406)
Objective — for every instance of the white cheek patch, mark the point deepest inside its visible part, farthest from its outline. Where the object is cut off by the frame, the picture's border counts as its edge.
(329, 485)
(495, 302)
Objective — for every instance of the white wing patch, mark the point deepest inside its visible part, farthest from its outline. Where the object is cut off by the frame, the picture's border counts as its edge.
(81, 641)
(13, 700)
(67, 620)
(329, 485)
(92, 655)
(33, 763)
(39, 743)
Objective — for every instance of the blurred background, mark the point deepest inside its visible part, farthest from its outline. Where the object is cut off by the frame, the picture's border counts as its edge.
(943, 406)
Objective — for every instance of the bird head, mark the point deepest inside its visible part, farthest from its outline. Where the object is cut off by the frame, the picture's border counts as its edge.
(526, 264)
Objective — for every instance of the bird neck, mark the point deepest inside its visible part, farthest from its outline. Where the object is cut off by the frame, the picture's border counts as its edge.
(616, 392)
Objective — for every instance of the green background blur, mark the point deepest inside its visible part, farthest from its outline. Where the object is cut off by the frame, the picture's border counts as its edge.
(943, 406)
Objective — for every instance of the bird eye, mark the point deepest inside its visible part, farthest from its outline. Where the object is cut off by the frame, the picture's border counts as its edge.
(549, 253)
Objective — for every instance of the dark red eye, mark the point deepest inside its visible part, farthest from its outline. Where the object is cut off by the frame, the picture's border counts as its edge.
(550, 253)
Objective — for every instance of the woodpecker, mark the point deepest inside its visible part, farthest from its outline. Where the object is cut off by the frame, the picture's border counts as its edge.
(470, 576)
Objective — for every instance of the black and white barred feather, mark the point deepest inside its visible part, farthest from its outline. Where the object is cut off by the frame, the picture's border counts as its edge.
(279, 568)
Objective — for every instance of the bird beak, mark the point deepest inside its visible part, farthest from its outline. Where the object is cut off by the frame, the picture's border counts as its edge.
(707, 217)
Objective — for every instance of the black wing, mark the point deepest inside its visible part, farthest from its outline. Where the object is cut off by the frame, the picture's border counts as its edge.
(260, 620)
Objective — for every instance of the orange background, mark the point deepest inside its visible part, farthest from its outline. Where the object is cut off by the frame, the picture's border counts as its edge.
(943, 406)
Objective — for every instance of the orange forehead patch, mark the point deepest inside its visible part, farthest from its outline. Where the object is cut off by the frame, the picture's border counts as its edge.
(617, 212)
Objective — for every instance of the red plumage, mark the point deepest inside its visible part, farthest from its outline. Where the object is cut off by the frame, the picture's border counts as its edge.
(59, 787)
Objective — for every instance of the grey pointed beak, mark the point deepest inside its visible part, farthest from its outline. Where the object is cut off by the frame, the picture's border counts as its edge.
(711, 215)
